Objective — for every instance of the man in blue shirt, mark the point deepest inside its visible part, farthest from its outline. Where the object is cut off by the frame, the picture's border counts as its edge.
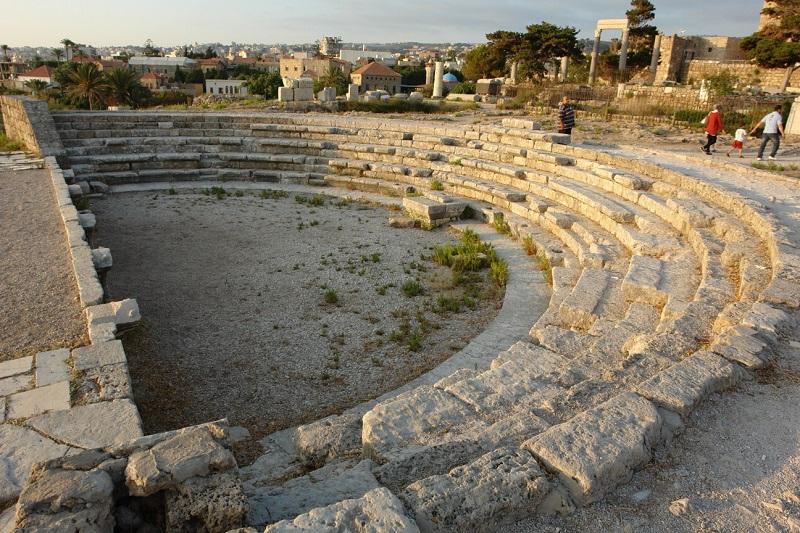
(566, 117)
(773, 129)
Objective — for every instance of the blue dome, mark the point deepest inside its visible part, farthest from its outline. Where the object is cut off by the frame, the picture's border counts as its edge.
(449, 77)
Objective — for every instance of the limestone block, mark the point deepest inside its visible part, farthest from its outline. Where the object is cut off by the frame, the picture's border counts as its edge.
(102, 384)
(285, 94)
(326, 486)
(410, 419)
(101, 257)
(352, 92)
(535, 358)
(20, 449)
(302, 94)
(188, 454)
(330, 438)
(14, 384)
(742, 345)
(641, 283)
(600, 448)
(304, 83)
(75, 191)
(578, 309)
(681, 387)
(122, 313)
(91, 426)
(498, 488)
(214, 503)
(16, 366)
(98, 355)
(29, 403)
(378, 508)
(51, 367)
(67, 500)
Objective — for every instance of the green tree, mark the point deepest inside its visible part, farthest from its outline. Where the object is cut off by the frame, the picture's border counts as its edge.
(124, 87)
(642, 34)
(542, 44)
(87, 84)
(411, 75)
(721, 84)
(265, 85)
(68, 45)
(334, 77)
(58, 53)
(479, 64)
(778, 44)
(150, 50)
(36, 86)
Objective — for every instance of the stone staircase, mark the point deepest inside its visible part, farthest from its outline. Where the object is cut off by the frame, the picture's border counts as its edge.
(666, 288)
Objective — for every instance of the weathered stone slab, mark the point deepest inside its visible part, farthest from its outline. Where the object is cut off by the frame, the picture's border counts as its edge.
(378, 510)
(741, 345)
(15, 384)
(600, 448)
(97, 355)
(496, 489)
(51, 367)
(56, 497)
(681, 387)
(641, 283)
(411, 419)
(53, 397)
(92, 426)
(188, 454)
(16, 366)
(326, 486)
(329, 438)
(578, 309)
(214, 503)
(21, 448)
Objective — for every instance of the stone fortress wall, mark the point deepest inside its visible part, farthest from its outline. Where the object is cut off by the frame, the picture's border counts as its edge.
(666, 288)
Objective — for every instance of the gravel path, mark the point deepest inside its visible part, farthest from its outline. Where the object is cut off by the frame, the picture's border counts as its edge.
(234, 318)
(38, 295)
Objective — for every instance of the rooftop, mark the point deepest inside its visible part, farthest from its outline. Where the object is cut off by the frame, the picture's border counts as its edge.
(161, 61)
(377, 69)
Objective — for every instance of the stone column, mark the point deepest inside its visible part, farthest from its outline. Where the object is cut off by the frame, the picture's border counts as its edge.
(793, 122)
(514, 67)
(438, 85)
(655, 57)
(595, 52)
(564, 68)
(623, 52)
(352, 92)
(428, 74)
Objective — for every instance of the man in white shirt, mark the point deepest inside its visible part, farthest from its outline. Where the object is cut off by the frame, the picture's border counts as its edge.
(773, 129)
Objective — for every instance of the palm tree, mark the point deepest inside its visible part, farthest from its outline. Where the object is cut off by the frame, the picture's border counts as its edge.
(67, 47)
(4, 47)
(123, 86)
(37, 86)
(86, 83)
(58, 53)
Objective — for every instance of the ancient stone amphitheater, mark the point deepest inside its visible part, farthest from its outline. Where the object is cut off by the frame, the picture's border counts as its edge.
(672, 279)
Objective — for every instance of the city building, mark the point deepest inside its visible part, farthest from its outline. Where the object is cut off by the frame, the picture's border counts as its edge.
(151, 81)
(235, 88)
(377, 76)
(161, 65)
(313, 68)
(43, 73)
(212, 64)
(354, 56)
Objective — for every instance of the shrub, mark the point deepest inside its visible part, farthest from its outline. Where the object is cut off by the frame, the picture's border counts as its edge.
(500, 224)
(411, 288)
(437, 185)
(219, 192)
(415, 340)
(9, 145)
(317, 200)
(529, 245)
(446, 304)
(498, 270)
(331, 297)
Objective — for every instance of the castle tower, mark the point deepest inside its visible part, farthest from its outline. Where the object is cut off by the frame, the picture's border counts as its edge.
(767, 20)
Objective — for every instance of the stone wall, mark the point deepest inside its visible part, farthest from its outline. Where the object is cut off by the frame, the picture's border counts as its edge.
(29, 121)
(766, 78)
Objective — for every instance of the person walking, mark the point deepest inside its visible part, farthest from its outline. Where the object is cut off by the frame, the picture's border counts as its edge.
(738, 141)
(714, 125)
(566, 116)
(773, 129)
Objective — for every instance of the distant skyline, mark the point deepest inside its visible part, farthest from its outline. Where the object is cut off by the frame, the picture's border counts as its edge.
(178, 22)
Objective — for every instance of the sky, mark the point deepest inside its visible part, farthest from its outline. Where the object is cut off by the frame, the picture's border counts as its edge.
(177, 22)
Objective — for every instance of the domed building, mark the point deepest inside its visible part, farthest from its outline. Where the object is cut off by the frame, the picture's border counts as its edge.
(449, 80)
